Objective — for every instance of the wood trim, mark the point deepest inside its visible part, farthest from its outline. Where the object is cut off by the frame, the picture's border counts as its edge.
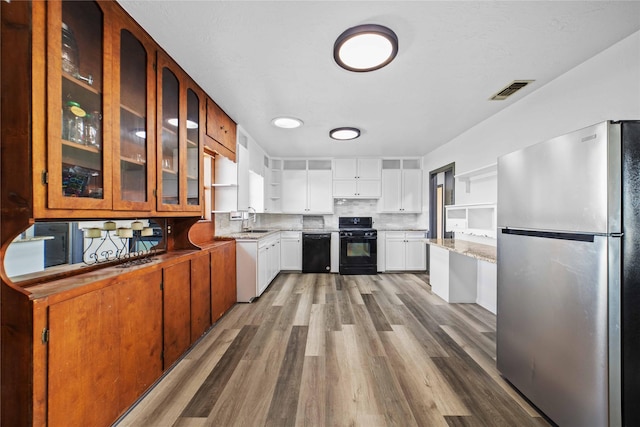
(40, 362)
(16, 194)
(214, 147)
(180, 229)
(38, 106)
(202, 232)
(18, 402)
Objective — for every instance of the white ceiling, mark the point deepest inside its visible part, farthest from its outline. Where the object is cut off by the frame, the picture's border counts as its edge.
(262, 59)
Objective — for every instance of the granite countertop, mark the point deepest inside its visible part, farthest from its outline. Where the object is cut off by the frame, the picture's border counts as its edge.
(256, 235)
(262, 232)
(475, 250)
(248, 235)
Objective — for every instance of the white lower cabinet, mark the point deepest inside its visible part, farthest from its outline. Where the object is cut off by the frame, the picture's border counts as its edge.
(453, 276)
(381, 251)
(405, 251)
(458, 278)
(290, 251)
(335, 252)
(257, 264)
(273, 262)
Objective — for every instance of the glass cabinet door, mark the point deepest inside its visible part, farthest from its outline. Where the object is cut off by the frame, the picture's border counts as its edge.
(76, 122)
(180, 111)
(133, 157)
(193, 148)
(169, 149)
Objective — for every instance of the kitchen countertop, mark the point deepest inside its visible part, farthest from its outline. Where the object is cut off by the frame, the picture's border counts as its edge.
(247, 235)
(475, 250)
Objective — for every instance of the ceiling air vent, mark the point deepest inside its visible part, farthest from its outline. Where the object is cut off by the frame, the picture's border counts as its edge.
(510, 89)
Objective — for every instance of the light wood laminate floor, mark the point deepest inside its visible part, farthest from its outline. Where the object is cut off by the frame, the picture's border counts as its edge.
(331, 350)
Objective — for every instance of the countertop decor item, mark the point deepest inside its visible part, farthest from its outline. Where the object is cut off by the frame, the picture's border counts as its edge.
(135, 244)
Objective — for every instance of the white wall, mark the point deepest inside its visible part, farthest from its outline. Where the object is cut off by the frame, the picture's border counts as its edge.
(605, 87)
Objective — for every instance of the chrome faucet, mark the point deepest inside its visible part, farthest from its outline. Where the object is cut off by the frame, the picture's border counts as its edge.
(250, 212)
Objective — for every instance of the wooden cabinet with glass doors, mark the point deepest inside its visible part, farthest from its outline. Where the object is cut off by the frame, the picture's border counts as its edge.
(106, 148)
(101, 87)
(180, 109)
(79, 121)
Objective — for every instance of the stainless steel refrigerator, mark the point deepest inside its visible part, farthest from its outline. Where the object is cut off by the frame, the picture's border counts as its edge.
(568, 315)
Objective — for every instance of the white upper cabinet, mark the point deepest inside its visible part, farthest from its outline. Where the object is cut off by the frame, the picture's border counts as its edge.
(294, 186)
(356, 178)
(401, 186)
(242, 157)
(307, 187)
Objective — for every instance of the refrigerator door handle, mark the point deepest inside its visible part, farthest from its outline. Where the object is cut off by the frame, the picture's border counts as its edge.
(580, 237)
(615, 337)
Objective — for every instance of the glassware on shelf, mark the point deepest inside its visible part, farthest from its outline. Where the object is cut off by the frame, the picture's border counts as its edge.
(73, 117)
(69, 51)
(93, 129)
(70, 56)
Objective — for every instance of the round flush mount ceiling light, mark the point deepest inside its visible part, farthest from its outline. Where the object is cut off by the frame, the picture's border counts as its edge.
(344, 134)
(365, 48)
(286, 122)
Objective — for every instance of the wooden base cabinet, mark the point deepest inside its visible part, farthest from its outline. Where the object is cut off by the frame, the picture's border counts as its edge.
(176, 310)
(200, 295)
(104, 351)
(81, 350)
(223, 279)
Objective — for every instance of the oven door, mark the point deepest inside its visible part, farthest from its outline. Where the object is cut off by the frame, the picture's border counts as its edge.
(358, 255)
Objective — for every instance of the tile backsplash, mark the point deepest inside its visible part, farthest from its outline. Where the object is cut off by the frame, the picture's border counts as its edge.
(342, 207)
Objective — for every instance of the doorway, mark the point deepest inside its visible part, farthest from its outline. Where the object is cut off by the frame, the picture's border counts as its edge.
(439, 212)
(441, 194)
